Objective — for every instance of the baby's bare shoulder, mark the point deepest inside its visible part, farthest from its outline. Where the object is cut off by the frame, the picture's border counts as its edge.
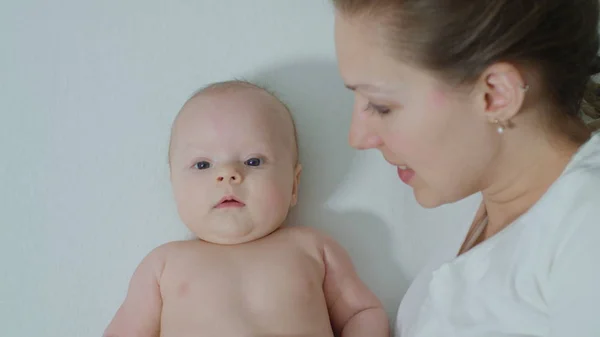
(172, 251)
(174, 258)
(312, 237)
(178, 249)
(306, 232)
(305, 236)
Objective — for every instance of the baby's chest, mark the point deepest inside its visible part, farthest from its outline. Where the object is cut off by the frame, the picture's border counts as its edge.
(254, 278)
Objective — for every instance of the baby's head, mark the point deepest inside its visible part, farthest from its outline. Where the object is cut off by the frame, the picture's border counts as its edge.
(234, 163)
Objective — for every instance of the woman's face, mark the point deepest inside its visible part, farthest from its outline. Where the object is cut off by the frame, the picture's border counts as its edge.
(414, 119)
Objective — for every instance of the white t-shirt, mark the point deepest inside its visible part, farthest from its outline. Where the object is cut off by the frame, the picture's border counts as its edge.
(540, 276)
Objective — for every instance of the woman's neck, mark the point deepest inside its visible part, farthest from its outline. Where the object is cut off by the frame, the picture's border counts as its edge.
(529, 167)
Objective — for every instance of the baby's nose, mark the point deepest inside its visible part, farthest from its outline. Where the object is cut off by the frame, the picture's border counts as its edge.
(232, 177)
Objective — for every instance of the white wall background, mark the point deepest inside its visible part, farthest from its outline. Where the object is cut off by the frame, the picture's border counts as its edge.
(88, 90)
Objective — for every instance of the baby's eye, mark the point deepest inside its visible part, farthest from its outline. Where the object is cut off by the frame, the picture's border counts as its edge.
(202, 165)
(253, 162)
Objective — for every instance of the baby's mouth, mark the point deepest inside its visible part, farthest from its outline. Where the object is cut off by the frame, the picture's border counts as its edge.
(230, 202)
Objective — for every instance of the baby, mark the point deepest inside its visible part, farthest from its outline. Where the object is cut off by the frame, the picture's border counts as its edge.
(235, 171)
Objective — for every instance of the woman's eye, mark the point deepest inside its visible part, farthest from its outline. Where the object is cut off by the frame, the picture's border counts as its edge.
(382, 110)
(202, 165)
(253, 162)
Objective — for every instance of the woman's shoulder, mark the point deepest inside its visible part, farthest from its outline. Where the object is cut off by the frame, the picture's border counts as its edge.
(586, 161)
(571, 214)
(564, 233)
(579, 186)
(574, 212)
(570, 241)
(570, 209)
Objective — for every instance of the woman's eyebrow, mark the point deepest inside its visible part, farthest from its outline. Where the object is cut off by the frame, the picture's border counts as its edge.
(370, 88)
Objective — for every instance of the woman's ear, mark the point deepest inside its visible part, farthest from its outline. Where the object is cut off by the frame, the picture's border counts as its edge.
(297, 172)
(503, 90)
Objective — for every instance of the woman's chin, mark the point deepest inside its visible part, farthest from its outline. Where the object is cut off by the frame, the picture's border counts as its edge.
(426, 199)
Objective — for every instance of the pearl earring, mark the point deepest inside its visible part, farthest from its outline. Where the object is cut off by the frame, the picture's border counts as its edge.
(500, 128)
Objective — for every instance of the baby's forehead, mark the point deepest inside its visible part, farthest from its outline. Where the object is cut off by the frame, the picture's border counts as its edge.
(248, 113)
(240, 90)
(251, 108)
(240, 108)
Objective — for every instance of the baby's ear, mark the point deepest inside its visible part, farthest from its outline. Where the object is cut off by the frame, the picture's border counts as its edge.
(297, 172)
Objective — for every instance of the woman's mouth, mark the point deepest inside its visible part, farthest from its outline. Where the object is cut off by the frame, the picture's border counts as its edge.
(405, 173)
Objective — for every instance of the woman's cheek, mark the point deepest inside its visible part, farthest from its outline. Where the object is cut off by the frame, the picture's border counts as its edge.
(402, 143)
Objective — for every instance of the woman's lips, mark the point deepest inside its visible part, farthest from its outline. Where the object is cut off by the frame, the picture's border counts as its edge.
(405, 174)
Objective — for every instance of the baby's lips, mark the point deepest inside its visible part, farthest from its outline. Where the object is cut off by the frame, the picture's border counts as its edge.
(229, 201)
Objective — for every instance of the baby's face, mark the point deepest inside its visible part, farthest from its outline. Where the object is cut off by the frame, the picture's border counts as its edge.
(233, 166)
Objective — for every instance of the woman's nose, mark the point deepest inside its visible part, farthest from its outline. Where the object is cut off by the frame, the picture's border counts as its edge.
(229, 175)
(361, 137)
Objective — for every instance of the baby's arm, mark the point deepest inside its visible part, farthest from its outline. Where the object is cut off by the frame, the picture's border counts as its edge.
(139, 315)
(354, 310)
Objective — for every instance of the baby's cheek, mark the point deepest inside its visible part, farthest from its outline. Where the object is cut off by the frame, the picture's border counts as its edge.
(279, 195)
(190, 198)
(276, 197)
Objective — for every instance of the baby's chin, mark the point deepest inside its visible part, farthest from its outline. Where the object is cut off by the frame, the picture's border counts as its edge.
(233, 234)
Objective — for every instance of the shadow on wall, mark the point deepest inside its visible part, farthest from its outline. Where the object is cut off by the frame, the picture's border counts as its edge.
(321, 107)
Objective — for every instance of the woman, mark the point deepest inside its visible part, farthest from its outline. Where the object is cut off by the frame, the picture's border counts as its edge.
(484, 96)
